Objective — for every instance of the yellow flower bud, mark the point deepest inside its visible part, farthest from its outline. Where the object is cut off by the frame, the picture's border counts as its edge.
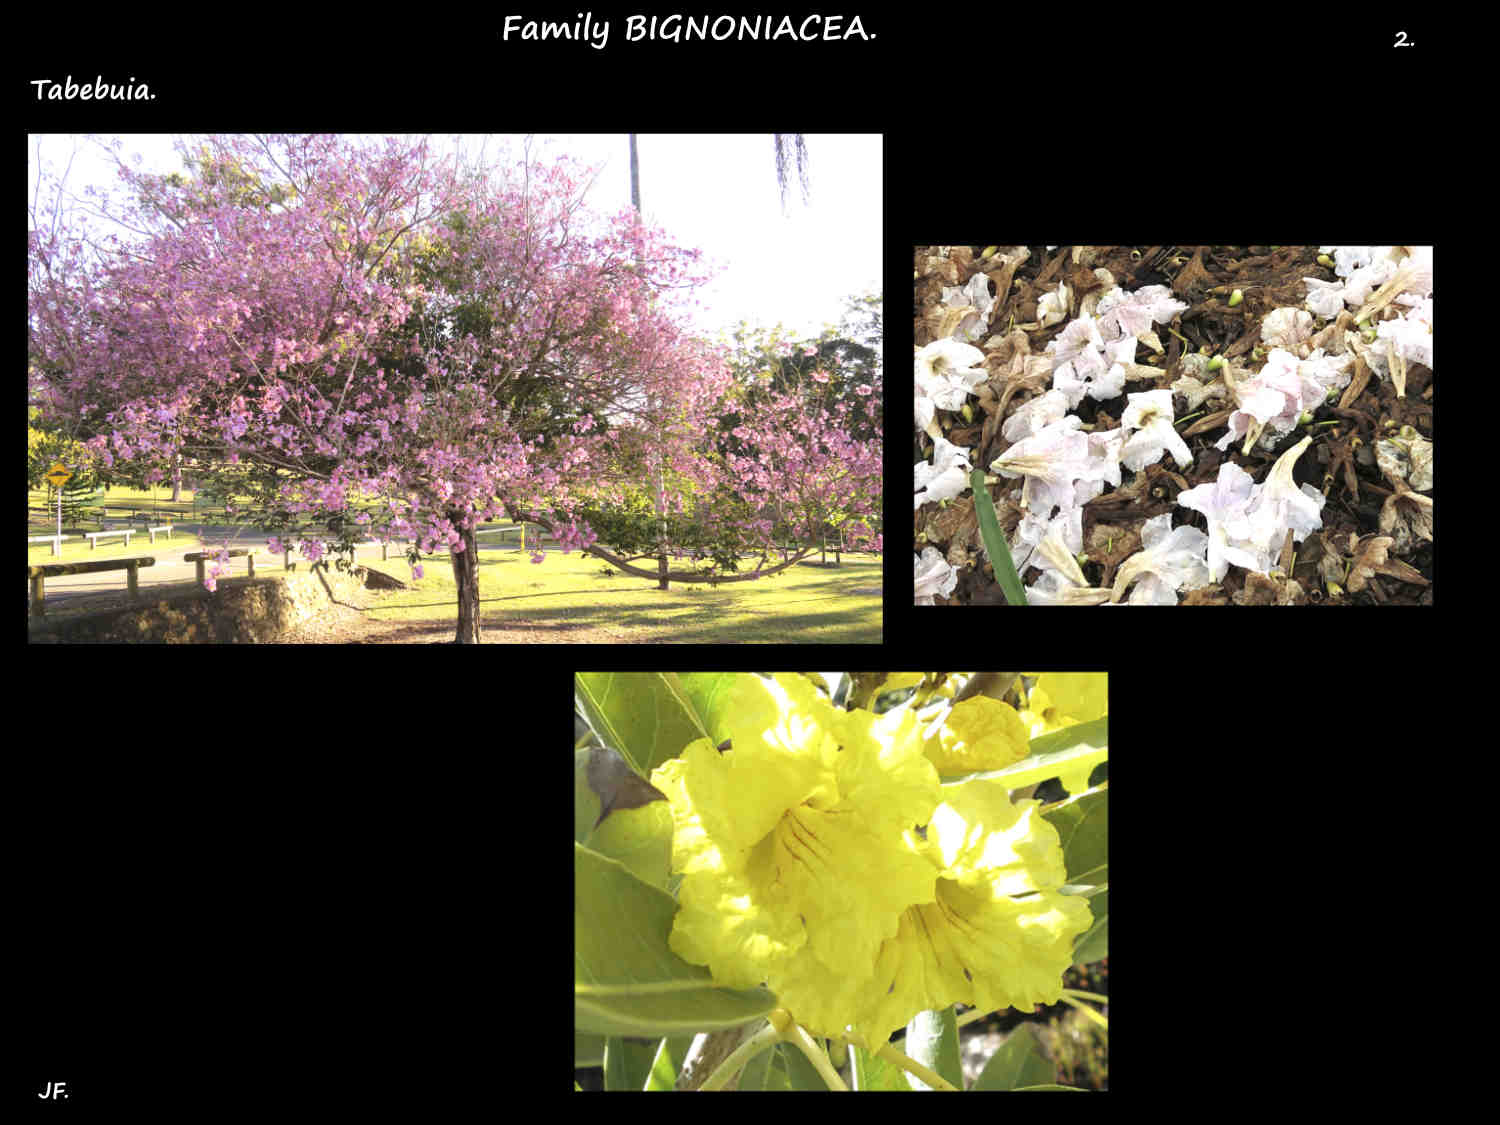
(781, 1020)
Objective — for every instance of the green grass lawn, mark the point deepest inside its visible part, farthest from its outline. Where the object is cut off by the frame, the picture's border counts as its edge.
(568, 599)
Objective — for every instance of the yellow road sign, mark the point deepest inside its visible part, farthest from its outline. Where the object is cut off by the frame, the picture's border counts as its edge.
(59, 475)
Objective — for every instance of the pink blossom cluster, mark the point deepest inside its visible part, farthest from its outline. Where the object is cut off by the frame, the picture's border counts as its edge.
(265, 316)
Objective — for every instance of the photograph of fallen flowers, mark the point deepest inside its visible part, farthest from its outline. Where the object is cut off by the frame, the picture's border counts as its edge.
(1173, 425)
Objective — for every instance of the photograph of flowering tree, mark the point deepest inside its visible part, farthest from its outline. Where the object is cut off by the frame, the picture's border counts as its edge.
(1173, 425)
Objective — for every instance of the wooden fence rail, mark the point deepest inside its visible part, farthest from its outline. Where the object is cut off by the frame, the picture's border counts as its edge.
(202, 557)
(38, 575)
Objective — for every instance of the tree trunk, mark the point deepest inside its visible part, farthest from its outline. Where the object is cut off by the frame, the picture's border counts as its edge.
(466, 577)
(176, 478)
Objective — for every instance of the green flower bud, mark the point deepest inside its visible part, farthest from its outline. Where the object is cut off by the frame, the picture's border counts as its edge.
(968, 413)
(988, 250)
(1325, 260)
(1235, 298)
(1335, 590)
(1305, 417)
(1216, 363)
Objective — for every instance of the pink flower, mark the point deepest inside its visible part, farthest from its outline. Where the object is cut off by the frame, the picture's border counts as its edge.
(819, 377)
(864, 389)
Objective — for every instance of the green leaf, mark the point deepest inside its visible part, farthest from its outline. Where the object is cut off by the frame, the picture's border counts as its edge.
(709, 693)
(1082, 823)
(1076, 748)
(776, 1074)
(632, 819)
(801, 1073)
(668, 1062)
(870, 1072)
(1019, 1062)
(586, 803)
(758, 1071)
(626, 979)
(646, 716)
(588, 1050)
(932, 1040)
(627, 1062)
(619, 815)
(1093, 944)
(994, 541)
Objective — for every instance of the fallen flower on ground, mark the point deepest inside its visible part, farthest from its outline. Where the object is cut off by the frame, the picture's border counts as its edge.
(1149, 414)
(933, 576)
(1050, 460)
(947, 371)
(1132, 314)
(1286, 328)
(945, 477)
(1270, 402)
(976, 296)
(1053, 306)
(1408, 456)
(1223, 502)
(1172, 560)
(1405, 515)
(1281, 505)
(1062, 581)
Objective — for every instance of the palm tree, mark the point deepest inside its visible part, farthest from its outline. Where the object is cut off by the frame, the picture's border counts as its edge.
(789, 148)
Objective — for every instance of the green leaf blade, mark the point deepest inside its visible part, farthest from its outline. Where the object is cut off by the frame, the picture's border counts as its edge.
(932, 1040)
(627, 981)
(647, 716)
(1018, 1063)
(994, 541)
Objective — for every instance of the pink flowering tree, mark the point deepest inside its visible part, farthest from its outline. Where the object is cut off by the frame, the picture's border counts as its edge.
(315, 323)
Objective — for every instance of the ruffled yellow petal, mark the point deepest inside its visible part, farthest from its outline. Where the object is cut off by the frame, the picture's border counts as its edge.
(720, 924)
(791, 841)
(1061, 699)
(998, 934)
(979, 734)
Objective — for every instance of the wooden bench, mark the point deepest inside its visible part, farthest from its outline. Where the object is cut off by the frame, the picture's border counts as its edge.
(201, 557)
(38, 575)
(94, 536)
(55, 540)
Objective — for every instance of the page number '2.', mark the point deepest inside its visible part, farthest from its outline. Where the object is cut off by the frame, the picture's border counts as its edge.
(1401, 40)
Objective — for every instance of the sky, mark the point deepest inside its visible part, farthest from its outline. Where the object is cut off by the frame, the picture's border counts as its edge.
(716, 192)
